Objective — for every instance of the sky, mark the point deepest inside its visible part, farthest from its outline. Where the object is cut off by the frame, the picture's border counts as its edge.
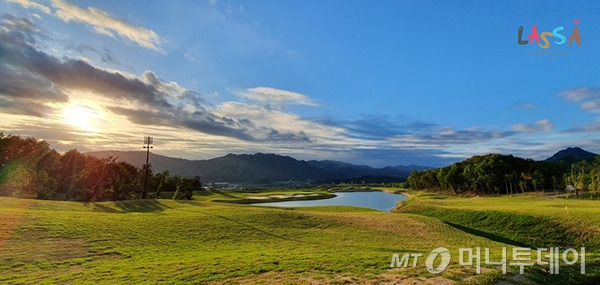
(368, 82)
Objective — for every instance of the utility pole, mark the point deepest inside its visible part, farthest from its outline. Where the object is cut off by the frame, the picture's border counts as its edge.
(147, 141)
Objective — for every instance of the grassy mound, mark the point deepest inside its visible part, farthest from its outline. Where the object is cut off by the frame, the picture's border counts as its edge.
(202, 241)
(524, 221)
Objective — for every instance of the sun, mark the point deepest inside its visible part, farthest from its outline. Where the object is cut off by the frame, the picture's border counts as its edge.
(81, 116)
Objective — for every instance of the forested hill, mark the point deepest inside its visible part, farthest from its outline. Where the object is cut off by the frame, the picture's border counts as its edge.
(571, 155)
(507, 174)
(260, 168)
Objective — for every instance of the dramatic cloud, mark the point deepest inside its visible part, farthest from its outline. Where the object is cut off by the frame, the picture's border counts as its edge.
(579, 94)
(20, 24)
(288, 125)
(20, 31)
(23, 92)
(382, 135)
(539, 126)
(39, 85)
(381, 156)
(446, 137)
(32, 77)
(378, 126)
(17, 84)
(201, 121)
(100, 21)
(23, 107)
(105, 54)
(276, 96)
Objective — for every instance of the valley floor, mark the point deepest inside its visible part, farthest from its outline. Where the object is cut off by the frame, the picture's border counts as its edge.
(204, 241)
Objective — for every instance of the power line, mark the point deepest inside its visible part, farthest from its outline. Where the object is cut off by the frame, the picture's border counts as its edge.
(147, 141)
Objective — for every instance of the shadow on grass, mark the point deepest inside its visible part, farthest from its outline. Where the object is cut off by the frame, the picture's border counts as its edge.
(487, 235)
(103, 208)
(257, 229)
(219, 192)
(133, 206)
(142, 206)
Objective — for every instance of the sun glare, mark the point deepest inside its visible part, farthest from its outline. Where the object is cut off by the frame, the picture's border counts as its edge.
(81, 116)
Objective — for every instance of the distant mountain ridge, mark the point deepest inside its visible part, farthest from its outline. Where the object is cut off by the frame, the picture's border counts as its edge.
(571, 155)
(261, 168)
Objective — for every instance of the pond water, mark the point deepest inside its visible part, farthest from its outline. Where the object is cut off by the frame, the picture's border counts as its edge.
(381, 201)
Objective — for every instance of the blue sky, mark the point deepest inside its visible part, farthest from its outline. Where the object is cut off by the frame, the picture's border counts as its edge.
(367, 82)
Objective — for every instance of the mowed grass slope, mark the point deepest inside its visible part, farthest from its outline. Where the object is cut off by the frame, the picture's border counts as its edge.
(201, 241)
(529, 220)
(532, 220)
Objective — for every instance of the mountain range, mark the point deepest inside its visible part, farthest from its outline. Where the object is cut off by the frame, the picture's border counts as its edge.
(264, 168)
(269, 168)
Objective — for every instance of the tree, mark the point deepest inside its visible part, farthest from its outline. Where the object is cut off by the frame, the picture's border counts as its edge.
(196, 184)
(498, 174)
(46, 186)
(181, 185)
(71, 164)
(29, 168)
(161, 183)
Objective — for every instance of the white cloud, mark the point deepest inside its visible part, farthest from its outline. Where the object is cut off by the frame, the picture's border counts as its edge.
(31, 5)
(267, 119)
(105, 24)
(188, 55)
(539, 126)
(591, 106)
(276, 96)
(579, 94)
(101, 22)
(171, 88)
(586, 95)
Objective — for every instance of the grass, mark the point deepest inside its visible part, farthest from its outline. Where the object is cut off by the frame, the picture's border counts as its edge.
(523, 220)
(202, 241)
(242, 197)
(525, 216)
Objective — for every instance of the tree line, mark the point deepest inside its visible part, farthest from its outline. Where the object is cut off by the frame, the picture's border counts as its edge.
(507, 174)
(29, 168)
(584, 175)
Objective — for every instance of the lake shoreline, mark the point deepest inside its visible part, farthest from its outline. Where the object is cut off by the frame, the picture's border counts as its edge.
(374, 199)
(298, 197)
(402, 191)
(268, 199)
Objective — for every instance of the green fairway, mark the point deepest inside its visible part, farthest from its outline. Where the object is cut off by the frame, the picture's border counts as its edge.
(533, 220)
(205, 241)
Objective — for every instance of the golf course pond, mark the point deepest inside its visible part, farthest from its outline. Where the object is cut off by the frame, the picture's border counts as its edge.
(377, 200)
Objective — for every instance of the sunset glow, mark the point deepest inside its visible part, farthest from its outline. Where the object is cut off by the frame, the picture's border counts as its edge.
(80, 116)
(309, 79)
